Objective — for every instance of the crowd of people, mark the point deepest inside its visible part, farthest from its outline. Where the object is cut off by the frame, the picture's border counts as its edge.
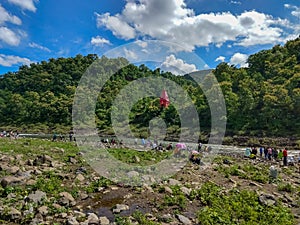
(271, 154)
(11, 134)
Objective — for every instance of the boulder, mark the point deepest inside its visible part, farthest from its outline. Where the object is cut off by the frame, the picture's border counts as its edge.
(66, 199)
(183, 219)
(11, 180)
(104, 220)
(120, 207)
(37, 197)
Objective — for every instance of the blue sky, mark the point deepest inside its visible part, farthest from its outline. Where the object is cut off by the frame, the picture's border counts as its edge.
(215, 30)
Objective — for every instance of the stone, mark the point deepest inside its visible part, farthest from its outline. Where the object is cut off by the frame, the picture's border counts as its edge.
(166, 218)
(120, 207)
(80, 177)
(267, 199)
(288, 198)
(14, 213)
(137, 159)
(64, 215)
(72, 160)
(174, 182)
(148, 188)
(66, 199)
(43, 210)
(183, 219)
(168, 190)
(47, 158)
(93, 219)
(114, 188)
(56, 206)
(29, 162)
(148, 179)
(31, 182)
(10, 169)
(104, 220)
(84, 196)
(72, 221)
(186, 190)
(37, 197)
(132, 174)
(10, 180)
(252, 183)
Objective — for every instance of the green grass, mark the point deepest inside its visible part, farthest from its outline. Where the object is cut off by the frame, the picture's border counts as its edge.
(238, 207)
(243, 170)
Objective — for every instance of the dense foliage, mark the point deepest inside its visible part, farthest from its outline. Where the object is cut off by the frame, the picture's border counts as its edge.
(262, 99)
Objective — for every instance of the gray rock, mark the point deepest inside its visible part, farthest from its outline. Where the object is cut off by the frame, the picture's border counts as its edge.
(183, 219)
(185, 190)
(137, 159)
(288, 198)
(56, 206)
(93, 219)
(31, 182)
(166, 218)
(132, 174)
(103, 220)
(84, 196)
(80, 177)
(148, 188)
(29, 162)
(252, 183)
(148, 179)
(174, 182)
(266, 199)
(11, 180)
(47, 159)
(43, 210)
(14, 213)
(168, 190)
(36, 221)
(37, 197)
(72, 221)
(72, 160)
(10, 169)
(120, 207)
(66, 199)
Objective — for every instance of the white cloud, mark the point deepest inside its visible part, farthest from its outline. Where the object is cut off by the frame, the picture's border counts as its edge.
(235, 2)
(239, 59)
(9, 37)
(116, 25)
(130, 55)
(10, 60)
(24, 4)
(99, 41)
(35, 45)
(142, 44)
(173, 21)
(220, 58)
(206, 67)
(296, 10)
(177, 66)
(7, 17)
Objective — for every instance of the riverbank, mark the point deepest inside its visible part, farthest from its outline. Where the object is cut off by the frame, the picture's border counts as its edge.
(45, 182)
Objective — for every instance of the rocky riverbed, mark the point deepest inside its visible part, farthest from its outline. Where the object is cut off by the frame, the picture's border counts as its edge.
(50, 183)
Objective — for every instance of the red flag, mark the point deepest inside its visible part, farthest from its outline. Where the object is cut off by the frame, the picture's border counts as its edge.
(164, 99)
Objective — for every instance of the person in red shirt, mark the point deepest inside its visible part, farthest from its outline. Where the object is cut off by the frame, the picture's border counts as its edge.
(285, 154)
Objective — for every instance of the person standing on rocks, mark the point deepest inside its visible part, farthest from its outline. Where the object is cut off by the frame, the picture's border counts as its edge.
(285, 154)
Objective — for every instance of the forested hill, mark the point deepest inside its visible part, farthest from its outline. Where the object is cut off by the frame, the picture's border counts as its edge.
(263, 99)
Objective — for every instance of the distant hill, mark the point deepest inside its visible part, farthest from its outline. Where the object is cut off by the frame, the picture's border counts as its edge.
(262, 100)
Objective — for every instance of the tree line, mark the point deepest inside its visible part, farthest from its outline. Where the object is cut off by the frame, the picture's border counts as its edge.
(261, 100)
